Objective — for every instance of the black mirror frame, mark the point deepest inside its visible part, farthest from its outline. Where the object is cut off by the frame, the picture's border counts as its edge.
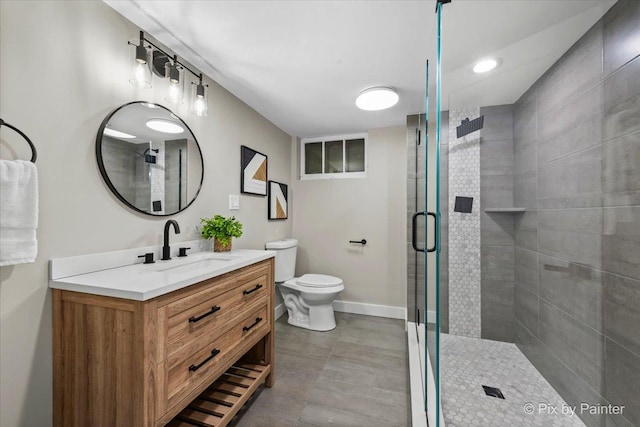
(105, 176)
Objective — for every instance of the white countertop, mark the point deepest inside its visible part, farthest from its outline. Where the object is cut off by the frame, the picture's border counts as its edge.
(142, 282)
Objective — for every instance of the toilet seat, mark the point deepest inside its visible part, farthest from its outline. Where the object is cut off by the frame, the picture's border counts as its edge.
(319, 281)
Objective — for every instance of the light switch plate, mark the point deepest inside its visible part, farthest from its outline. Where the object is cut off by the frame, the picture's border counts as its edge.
(234, 202)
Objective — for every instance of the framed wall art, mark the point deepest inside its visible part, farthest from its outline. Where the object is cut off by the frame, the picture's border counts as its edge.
(253, 172)
(278, 201)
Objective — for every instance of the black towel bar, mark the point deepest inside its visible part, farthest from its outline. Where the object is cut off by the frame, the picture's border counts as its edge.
(360, 242)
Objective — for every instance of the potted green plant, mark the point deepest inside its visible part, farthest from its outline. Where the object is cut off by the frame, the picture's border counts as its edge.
(222, 230)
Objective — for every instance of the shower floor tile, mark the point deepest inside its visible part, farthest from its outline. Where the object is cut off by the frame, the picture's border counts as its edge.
(469, 363)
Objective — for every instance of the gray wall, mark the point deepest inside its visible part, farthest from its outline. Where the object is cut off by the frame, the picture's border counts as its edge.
(577, 256)
(416, 181)
(75, 58)
(496, 229)
(415, 202)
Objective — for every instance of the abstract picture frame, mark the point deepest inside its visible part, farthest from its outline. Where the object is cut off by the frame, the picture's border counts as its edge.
(278, 201)
(253, 171)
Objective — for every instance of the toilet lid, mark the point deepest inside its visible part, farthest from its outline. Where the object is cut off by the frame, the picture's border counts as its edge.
(319, 280)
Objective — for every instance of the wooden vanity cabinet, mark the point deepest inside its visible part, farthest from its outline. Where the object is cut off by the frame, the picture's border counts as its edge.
(119, 362)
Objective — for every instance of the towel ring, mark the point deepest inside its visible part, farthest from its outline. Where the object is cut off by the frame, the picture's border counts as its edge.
(34, 152)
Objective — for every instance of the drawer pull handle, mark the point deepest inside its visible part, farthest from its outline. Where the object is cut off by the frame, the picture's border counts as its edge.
(246, 328)
(214, 353)
(208, 313)
(252, 290)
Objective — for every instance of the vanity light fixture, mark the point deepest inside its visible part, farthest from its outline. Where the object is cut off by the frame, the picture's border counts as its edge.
(377, 98)
(164, 126)
(485, 65)
(148, 56)
(199, 101)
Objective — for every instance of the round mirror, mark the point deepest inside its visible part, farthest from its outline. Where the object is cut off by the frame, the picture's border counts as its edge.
(149, 158)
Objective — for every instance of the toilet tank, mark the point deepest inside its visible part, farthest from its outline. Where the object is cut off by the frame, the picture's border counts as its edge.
(285, 262)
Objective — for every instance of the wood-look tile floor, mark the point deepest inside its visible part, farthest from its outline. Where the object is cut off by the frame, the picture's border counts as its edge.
(355, 375)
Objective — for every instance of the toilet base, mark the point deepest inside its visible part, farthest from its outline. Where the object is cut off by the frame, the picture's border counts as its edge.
(324, 323)
(314, 313)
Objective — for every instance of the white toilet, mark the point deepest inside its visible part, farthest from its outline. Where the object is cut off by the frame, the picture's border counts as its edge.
(308, 298)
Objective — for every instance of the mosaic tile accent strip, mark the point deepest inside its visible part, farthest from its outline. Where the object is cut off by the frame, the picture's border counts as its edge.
(464, 229)
(468, 363)
(157, 177)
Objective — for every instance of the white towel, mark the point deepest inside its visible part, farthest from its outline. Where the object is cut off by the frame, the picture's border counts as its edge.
(18, 212)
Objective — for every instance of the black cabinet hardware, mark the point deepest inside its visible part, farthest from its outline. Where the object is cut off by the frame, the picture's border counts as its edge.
(148, 258)
(361, 242)
(182, 252)
(214, 353)
(246, 328)
(208, 313)
(252, 290)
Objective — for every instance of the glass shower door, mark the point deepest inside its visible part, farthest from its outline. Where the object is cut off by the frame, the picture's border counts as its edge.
(434, 229)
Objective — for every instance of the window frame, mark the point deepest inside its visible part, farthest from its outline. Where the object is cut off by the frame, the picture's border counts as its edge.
(331, 138)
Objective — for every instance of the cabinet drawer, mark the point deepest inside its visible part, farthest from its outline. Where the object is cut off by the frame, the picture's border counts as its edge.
(185, 370)
(208, 316)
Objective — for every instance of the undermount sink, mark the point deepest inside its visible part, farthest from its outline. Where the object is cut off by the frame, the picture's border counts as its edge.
(194, 262)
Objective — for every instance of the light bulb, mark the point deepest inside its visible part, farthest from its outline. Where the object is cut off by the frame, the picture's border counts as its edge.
(175, 93)
(140, 74)
(199, 107)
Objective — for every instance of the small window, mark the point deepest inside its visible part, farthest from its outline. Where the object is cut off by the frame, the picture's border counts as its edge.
(333, 157)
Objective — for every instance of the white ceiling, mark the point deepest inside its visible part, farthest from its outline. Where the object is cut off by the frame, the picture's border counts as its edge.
(301, 64)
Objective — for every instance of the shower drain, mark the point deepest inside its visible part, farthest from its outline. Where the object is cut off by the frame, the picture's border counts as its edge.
(493, 392)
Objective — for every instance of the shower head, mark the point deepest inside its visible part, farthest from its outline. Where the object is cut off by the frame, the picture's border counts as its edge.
(469, 126)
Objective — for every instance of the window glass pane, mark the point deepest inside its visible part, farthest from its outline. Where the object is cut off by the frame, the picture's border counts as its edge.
(333, 157)
(355, 155)
(313, 158)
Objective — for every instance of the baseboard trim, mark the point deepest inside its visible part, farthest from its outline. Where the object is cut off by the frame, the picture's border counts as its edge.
(377, 310)
(389, 311)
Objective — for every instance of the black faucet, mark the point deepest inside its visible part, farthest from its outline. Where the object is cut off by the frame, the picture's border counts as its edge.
(166, 249)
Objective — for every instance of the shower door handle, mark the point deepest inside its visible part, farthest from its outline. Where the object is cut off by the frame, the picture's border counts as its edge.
(414, 231)
(435, 231)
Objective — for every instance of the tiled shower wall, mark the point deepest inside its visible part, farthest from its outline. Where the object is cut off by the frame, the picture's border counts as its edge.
(497, 229)
(577, 248)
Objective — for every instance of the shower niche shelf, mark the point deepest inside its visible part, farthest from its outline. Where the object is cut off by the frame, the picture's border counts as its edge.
(505, 210)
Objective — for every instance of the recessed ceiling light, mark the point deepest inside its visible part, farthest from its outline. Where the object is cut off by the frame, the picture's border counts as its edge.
(377, 98)
(117, 134)
(164, 126)
(485, 65)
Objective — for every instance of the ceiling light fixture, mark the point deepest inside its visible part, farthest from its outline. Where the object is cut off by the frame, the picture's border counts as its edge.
(164, 126)
(149, 56)
(377, 98)
(485, 65)
(117, 134)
